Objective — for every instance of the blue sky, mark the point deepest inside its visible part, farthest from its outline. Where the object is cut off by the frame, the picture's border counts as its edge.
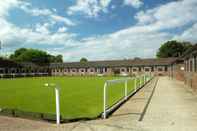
(96, 29)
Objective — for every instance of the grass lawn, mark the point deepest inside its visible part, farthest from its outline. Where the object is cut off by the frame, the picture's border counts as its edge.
(79, 96)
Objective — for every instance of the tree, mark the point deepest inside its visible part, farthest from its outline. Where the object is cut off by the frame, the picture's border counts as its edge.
(17, 53)
(59, 59)
(83, 60)
(34, 56)
(56, 59)
(173, 49)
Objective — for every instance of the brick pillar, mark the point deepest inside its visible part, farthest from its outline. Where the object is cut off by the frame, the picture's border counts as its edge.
(193, 64)
(196, 63)
(188, 65)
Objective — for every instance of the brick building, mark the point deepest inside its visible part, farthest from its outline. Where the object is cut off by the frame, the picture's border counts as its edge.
(10, 68)
(92, 68)
(190, 64)
(113, 67)
(177, 69)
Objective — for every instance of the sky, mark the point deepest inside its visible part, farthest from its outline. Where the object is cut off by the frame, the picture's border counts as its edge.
(96, 29)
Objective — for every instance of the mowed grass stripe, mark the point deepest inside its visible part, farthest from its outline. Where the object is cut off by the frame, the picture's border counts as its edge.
(79, 96)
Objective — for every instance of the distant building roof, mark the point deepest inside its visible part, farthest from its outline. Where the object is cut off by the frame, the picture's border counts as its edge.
(4, 63)
(33, 65)
(115, 63)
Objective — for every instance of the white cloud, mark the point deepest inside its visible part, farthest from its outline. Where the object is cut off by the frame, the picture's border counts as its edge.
(188, 35)
(91, 8)
(105, 3)
(169, 16)
(27, 7)
(5, 5)
(133, 3)
(140, 40)
(58, 18)
(145, 17)
(37, 36)
(62, 29)
(144, 38)
(42, 28)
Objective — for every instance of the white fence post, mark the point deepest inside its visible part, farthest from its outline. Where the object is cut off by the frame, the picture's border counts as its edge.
(135, 84)
(57, 105)
(125, 90)
(104, 101)
(140, 80)
(57, 100)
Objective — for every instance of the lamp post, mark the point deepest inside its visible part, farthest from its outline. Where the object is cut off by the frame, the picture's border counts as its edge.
(57, 100)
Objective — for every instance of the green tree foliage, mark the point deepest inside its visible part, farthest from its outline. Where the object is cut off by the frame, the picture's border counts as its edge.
(173, 49)
(35, 56)
(83, 60)
(56, 59)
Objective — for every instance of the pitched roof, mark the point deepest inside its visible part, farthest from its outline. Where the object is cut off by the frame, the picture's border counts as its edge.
(115, 63)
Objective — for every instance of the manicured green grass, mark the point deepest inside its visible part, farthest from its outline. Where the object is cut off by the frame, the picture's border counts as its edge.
(79, 96)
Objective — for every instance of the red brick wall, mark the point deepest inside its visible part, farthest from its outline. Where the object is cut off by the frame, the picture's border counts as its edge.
(191, 80)
(179, 74)
(194, 81)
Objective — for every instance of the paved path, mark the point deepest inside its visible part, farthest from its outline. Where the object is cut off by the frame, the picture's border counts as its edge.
(172, 108)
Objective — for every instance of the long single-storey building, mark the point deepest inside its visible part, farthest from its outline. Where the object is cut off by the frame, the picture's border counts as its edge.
(127, 67)
(10, 68)
(113, 67)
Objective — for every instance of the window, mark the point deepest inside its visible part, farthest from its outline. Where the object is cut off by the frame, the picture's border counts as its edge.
(1, 71)
(166, 68)
(82, 70)
(147, 69)
(13, 71)
(123, 70)
(18, 70)
(86, 69)
(191, 65)
(134, 70)
(105, 69)
(127, 69)
(160, 69)
(152, 68)
(73, 70)
(91, 70)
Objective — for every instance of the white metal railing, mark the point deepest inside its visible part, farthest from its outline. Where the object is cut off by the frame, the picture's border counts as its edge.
(143, 79)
